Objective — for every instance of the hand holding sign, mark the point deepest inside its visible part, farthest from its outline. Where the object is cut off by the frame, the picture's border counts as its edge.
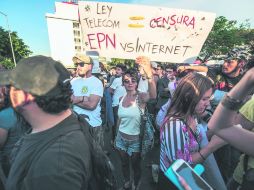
(145, 66)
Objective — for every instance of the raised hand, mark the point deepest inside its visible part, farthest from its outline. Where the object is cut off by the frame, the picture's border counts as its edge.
(144, 65)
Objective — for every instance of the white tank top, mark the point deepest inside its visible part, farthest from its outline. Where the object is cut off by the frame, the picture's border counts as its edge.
(130, 118)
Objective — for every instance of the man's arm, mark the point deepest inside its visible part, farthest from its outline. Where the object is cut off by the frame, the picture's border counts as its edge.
(197, 68)
(244, 122)
(113, 86)
(222, 122)
(86, 102)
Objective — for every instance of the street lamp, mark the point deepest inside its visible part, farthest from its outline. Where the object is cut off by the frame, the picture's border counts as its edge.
(13, 56)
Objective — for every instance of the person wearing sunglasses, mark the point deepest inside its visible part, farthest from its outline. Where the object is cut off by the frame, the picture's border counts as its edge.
(129, 119)
(87, 94)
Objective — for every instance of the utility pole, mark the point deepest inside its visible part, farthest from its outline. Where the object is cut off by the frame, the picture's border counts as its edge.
(8, 27)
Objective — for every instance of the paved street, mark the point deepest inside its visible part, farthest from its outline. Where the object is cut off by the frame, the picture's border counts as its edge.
(151, 158)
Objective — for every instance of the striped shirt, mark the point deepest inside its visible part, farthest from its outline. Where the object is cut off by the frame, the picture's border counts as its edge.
(177, 142)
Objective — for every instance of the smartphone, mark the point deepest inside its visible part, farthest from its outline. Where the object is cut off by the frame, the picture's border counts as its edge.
(183, 169)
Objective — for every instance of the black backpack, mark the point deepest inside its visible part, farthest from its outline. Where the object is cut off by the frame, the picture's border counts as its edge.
(103, 170)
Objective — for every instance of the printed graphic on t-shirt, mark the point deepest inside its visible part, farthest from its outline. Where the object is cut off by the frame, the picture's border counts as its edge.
(84, 90)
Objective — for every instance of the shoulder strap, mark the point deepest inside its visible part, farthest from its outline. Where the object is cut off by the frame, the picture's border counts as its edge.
(245, 163)
(195, 136)
(121, 101)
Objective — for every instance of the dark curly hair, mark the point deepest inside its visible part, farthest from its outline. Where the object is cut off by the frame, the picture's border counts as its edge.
(132, 72)
(55, 104)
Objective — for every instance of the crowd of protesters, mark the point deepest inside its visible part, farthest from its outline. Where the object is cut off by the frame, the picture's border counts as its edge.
(201, 113)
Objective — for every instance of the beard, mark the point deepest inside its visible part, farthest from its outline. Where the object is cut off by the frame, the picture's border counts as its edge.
(81, 75)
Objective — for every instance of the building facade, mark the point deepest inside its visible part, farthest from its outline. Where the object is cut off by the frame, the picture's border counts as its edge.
(64, 31)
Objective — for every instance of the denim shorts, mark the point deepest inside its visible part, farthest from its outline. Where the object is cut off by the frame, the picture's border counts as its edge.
(126, 145)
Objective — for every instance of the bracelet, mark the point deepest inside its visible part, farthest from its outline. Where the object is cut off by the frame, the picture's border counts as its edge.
(201, 155)
(231, 103)
(81, 100)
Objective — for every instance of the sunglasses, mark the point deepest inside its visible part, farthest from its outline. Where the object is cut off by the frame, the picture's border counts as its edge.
(126, 81)
(81, 64)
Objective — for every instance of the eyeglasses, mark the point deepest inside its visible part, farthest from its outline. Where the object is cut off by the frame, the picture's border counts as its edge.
(81, 64)
(126, 81)
(168, 71)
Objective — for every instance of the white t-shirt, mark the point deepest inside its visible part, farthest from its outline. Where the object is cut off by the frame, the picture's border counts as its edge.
(119, 90)
(86, 87)
(143, 85)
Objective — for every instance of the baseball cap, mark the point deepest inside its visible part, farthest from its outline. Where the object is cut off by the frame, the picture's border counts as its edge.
(38, 75)
(79, 57)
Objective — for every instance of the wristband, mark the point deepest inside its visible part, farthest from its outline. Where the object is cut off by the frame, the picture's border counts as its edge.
(231, 103)
(201, 155)
(81, 100)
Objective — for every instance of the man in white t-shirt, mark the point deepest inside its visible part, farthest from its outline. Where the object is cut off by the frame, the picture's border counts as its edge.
(117, 90)
(87, 94)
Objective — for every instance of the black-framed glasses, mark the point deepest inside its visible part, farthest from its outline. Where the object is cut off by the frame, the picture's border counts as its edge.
(126, 81)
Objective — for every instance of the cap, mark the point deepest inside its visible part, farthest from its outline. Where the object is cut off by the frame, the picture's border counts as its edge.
(38, 75)
(154, 64)
(82, 58)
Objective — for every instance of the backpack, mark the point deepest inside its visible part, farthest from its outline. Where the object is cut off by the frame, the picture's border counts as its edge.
(103, 169)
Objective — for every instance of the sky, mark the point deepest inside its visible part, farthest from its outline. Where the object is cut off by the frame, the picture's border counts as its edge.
(28, 19)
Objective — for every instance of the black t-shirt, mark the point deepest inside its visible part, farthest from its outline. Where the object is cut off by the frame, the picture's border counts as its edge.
(57, 158)
(222, 81)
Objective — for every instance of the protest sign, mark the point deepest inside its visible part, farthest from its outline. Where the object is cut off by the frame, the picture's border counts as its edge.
(127, 31)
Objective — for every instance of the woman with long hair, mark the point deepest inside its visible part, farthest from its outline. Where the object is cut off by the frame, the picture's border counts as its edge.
(180, 134)
(129, 119)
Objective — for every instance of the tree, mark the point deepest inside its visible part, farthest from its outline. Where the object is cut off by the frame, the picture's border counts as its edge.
(224, 35)
(248, 36)
(21, 50)
(128, 62)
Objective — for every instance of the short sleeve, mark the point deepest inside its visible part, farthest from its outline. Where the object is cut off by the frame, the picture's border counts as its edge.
(7, 118)
(175, 141)
(247, 110)
(115, 83)
(97, 88)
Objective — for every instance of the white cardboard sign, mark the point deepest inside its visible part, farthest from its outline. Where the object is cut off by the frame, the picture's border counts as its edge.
(127, 31)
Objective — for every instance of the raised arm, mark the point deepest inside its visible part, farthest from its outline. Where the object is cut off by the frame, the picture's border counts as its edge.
(222, 121)
(197, 68)
(145, 66)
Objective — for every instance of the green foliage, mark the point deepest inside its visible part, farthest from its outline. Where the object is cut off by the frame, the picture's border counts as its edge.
(248, 36)
(128, 62)
(224, 35)
(21, 50)
(6, 63)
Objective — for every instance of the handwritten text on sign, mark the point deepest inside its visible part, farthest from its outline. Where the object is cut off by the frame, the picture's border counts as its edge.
(127, 31)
